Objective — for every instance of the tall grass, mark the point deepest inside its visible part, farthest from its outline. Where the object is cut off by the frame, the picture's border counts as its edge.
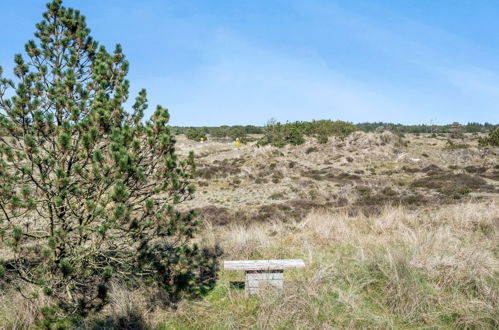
(425, 268)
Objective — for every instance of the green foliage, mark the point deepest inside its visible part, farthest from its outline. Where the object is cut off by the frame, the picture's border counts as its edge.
(279, 135)
(451, 145)
(423, 128)
(196, 134)
(219, 133)
(222, 132)
(491, 140)
(87, 189)
(237, 132)
(323, 129)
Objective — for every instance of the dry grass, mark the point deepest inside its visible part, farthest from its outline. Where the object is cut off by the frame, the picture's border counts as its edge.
(16, 312)
(434, 268)
(402, 269)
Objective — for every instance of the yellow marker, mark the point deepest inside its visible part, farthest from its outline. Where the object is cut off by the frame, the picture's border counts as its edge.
(237, 143)
(202, 139)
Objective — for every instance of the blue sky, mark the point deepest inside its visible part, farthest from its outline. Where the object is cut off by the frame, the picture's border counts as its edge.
(245, 61)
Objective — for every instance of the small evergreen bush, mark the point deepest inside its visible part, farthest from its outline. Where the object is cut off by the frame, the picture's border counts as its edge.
(196, 134)
(279, 135)
(491, 140)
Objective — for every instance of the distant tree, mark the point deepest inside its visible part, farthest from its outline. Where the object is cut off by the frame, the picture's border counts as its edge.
(456, 130)
(237, 132)
(279, 135)
(196, 134)
(323, 129)
(218, 133)
(87, 189)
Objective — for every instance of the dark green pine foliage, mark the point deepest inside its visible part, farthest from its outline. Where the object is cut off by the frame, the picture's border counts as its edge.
(87, 189)
(491, 140)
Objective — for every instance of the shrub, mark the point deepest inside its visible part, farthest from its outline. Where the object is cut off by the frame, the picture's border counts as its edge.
(491, 140)
(218, 133)
(456, 131)
(87, 189)
(323, 129)
(279, 135)
(451, 145)
(196, 134)
(237, 132)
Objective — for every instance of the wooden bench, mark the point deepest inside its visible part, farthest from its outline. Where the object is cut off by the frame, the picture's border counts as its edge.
(263, 272)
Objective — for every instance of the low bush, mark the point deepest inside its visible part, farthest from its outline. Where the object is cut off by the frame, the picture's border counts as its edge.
(279, 135)
(451, 145)
(450, 184)
(196, 134)
(491, 140)
(323, 129)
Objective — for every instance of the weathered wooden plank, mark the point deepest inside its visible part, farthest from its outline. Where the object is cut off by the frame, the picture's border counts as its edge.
(256, 281)
(263, 265)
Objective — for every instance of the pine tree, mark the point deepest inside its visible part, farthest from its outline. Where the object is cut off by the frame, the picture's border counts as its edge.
(88, 189)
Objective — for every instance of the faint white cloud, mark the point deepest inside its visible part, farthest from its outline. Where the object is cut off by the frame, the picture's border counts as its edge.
(474, 80)
(248, 84)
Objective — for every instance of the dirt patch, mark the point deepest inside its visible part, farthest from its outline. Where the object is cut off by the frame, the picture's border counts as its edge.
(373, 203)
(494, 175)
(433, 169)
(216, 215)
(217, 171)
(450, 183)
(475, 169)
(293, 210)
(408, 169)
(331, 174)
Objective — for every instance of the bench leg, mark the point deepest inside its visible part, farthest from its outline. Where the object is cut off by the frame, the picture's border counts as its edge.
(259, 279)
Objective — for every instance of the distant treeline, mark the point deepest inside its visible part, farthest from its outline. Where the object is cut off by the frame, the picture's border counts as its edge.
(218, 133)
(219, 130)
(241, 131)
(424, 128)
